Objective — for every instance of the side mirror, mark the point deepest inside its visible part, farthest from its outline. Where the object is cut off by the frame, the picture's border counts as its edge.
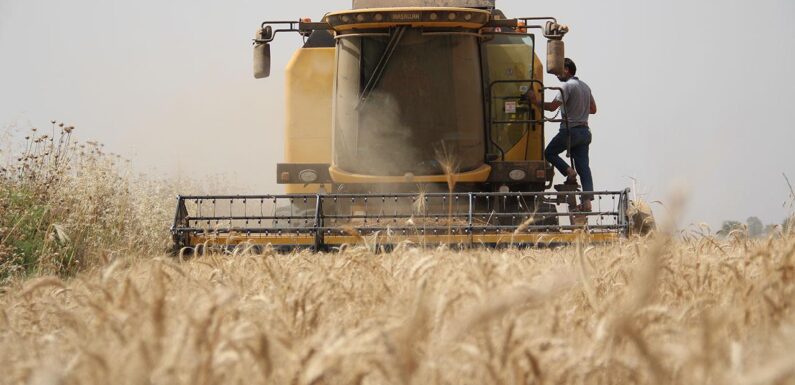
(262, 60)
(556, 54)
(262, 52)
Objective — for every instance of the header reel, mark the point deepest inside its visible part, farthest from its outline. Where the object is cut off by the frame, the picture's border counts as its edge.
(328, 222)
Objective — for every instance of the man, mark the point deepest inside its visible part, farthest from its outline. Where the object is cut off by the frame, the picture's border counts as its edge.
(576, 103)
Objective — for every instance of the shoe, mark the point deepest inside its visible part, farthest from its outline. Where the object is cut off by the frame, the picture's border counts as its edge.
(571, 177)
(584, 209)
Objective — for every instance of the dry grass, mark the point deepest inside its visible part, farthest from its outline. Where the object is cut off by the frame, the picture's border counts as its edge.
(66, 205)
(649, 311)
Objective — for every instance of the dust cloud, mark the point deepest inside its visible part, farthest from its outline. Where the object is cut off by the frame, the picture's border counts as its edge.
(391, 146)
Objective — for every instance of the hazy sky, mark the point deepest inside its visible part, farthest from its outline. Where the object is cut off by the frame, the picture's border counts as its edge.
(689, 92)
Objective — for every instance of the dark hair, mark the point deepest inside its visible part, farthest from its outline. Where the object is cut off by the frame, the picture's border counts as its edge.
(569, 65)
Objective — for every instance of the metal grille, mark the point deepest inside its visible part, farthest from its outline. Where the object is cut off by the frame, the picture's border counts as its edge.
(268, 218)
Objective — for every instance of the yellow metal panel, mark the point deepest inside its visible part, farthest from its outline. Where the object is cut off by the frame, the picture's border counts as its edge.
(513, 62)
(532, 238)
(479, 175)
(499, 239)
(531, 146)
(234, 240)
(309, 89)
(477, 239)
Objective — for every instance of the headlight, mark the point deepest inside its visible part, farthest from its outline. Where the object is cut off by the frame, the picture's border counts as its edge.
(307, 176)
(517, 175)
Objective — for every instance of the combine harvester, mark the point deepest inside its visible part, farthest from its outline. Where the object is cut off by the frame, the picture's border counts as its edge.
(407, 121)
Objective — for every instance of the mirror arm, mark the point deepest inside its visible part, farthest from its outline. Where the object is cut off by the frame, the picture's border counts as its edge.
(266, 34)
(552, 30)
(301, 27)
(503, 23)
(314, 26)
(526, 19)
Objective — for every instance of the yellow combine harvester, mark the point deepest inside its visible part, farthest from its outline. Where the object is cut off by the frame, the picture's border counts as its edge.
(407, 122)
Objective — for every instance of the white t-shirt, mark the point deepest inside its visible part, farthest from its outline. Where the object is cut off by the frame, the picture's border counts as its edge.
(578, 102)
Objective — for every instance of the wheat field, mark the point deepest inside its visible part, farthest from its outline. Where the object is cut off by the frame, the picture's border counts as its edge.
(654, 311)
(89, 296)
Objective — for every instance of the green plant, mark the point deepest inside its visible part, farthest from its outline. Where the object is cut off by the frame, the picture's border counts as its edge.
(67, 205)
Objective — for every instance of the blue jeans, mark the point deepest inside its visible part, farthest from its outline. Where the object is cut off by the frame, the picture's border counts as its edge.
(580, 141)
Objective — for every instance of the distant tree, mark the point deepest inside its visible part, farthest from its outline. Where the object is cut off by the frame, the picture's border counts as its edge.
(755, 227)
(729, 226)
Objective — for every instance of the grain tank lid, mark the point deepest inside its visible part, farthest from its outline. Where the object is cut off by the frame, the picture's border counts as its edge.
(360, 4)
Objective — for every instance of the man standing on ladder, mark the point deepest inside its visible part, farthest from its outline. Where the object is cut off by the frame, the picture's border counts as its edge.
(576, 103)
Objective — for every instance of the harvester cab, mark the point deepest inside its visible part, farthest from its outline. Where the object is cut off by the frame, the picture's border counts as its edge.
(419, 132)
